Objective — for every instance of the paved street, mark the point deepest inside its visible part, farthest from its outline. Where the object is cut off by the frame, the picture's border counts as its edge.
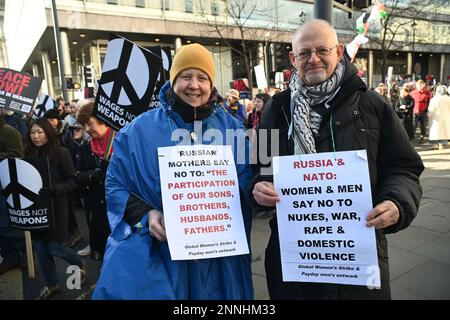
(419, 255)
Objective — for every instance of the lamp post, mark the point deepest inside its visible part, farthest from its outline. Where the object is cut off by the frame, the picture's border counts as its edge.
(413, 25)
(266, 60)
(59, 54)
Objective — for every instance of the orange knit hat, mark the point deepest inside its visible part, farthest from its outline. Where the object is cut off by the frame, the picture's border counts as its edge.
(192, 56)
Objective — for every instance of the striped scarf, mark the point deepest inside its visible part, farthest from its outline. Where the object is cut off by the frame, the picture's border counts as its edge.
(306, 121)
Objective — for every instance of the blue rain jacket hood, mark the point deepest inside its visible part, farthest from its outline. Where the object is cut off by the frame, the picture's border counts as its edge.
(138, 266)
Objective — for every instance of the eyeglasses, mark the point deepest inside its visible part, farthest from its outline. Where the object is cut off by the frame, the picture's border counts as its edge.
(321, 53)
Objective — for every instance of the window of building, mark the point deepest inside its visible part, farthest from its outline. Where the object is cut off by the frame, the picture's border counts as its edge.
(165, 4)
(214, 8)
(140, 3)
(116, 2)
(188, 6)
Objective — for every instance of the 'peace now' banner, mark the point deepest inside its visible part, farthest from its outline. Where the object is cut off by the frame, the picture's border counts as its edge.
(18, 91)
(127, 82)
(21, 181)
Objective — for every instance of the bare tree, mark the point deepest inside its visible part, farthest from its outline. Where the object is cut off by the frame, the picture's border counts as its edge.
(237, 22)
(401, 17)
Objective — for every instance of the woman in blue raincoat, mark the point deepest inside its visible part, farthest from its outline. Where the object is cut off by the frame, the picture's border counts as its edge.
(137, 262)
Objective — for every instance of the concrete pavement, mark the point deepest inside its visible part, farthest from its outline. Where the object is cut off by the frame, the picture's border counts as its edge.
(419, 255)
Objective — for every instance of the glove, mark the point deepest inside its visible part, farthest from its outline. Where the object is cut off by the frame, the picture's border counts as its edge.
(47, 191)
(98, 175)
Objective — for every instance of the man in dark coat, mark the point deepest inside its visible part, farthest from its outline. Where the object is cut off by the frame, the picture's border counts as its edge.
(328, 107)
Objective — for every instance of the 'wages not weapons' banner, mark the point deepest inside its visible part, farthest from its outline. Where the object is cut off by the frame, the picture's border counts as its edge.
(21, 181)
(126, 86)
(18, 91)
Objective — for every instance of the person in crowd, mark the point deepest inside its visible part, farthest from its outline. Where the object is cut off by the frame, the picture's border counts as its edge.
(332, 110)
(394, 92)
(404, 109)
(233, 106)
(61, 127)
(60, 106)
(43, 142)
(439, 113)
(12, 243)
(16, 121)
(274, 91)
(382, 91)
(78, 136)
(249, 106)
(138, 263)
(422, 97)
(90, 176)
(66, 110)
(66, 140)
(70, 119)
(255, 117)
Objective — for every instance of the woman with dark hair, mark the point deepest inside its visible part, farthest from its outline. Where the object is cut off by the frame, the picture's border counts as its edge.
(90, 176)
(42, 141)
(255, 117)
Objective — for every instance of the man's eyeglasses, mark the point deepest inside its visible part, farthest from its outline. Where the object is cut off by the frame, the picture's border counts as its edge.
(320, 52)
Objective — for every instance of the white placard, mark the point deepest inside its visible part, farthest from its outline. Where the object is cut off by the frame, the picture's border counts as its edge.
(261, 79)
(324, 201)
(201, 203)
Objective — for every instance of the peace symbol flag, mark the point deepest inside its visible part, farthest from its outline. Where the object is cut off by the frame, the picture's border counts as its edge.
(127, 83)
(45, 103)
(163, 76)
(21, 181)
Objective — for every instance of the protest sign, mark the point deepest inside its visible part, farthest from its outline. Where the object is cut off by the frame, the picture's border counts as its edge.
(21, 181)
(164, 53)
(126, 86)
(202, 210)
(241, 85)
(324, 201)
(260, 75)
(18, 91)
(45, 103)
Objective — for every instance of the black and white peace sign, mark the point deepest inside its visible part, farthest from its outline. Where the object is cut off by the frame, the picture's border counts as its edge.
(165, 65)
(21, 182)
(126, 74)
(45, 103)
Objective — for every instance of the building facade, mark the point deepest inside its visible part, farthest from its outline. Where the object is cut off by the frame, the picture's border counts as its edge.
(265, 26)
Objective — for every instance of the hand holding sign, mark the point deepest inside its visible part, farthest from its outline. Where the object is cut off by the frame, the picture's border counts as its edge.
(265, 195)
(156, 225)
(47, 191)
(383, 215)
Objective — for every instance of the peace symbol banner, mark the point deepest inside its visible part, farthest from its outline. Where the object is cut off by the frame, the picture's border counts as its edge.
(18, 91)
(163, 76)
(127, 83)
(45, 103)
(21, 181)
